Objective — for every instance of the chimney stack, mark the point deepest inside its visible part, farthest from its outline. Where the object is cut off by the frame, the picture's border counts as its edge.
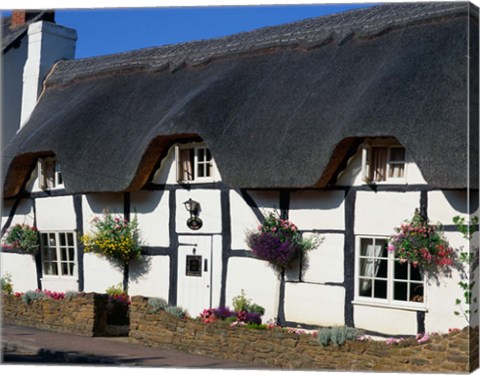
(20, 17)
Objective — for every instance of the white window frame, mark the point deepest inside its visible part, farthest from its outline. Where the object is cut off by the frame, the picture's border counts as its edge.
(366, 163)
(58, 252)
(196, 163)
(389, 301)
(49, 174)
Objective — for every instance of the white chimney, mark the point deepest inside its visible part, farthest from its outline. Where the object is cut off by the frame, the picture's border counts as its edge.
(47, 43)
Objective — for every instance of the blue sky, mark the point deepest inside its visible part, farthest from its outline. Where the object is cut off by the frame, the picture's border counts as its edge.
(105, 31)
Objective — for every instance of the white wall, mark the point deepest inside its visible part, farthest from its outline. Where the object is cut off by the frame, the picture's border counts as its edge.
(210, 213)
(386, 320)
(317, 209)
(150, 277)
(23, 213)
(100, 273)
(56, 213)
(258, 281)
(379, 213)
(314, 304)
(93, 205)
(21, 268)
(152, 211)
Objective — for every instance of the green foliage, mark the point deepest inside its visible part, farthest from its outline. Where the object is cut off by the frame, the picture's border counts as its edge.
(114, 290)
(7, 285)
(33, 295)
(256, 326)
(468, 259)
(242, 303)
(231, 319)
(466, 230)
(337, 336)
(22, 237)
(157, 304)
(114, 237)
(177, 311)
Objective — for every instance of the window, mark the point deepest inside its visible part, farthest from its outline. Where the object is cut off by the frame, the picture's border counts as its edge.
(49, 174)
(58, 251)
(194, 164)
(381, 278)
(383, 163)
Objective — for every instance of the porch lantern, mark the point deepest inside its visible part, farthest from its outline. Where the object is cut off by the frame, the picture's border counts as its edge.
(193, 207)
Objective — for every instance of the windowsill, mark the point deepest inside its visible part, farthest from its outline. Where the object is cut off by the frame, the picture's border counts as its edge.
(198, 181)
(57, 278)
(419, 307)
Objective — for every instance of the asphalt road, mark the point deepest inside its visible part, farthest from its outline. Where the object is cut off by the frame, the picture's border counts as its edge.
(26, 345)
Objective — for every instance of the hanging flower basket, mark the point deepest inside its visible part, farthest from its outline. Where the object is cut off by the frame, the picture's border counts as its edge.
(22, 238)
(422, 244)
(114, 237)
(279, 242)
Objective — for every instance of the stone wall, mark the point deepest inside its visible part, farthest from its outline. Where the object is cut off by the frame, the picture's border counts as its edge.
(275, 348)
(83, 314)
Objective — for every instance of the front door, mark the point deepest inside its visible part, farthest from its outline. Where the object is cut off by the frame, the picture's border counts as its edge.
(194, 291)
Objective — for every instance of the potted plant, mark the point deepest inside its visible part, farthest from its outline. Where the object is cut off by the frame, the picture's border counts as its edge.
(422, 244)
(23, 238)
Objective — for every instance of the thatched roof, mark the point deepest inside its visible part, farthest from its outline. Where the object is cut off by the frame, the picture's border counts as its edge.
(278, 106)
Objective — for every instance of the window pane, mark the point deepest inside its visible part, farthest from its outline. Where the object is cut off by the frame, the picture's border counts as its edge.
(209, 155)
(201, 154)
(397, 154)
(185, 165)
(208, 172)
(63, 255)
(365, 287)
(47, 269)
(366, 267)
(400, 290)
(396, 170)
(54, 269)
(70, 239)
(51, 240)
(71, 254)
(379, 163)
(415, 274)
(64, 268)
(416, 292)
(72, 267)
(400, 270)
(200, 170)
(381, 268)
(380, 289)
(45, 239)
(53, 254)
(62, 238)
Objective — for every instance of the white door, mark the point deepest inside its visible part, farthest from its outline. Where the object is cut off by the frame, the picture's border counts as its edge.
(194, 290)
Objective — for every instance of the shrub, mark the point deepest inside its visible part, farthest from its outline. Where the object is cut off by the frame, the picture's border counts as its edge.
(22, 237)
(337, 335)
(6, 282)
(114, 237)
(177, 311)
(114, 290)
(242, 303)
(33, 295)
(157, 304)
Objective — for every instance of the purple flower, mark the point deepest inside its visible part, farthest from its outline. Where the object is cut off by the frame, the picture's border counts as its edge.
(269, 247)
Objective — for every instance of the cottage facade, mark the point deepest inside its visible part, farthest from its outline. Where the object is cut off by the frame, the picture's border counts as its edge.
(344, 124)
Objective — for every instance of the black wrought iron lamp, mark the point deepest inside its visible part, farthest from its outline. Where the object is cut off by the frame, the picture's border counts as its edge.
(193, 207)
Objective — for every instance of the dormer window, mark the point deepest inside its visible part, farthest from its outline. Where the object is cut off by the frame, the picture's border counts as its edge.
(383, 163)
(194, 164)
(49, 174)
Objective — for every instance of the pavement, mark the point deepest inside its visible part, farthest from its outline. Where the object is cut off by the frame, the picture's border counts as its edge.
(26, 345)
